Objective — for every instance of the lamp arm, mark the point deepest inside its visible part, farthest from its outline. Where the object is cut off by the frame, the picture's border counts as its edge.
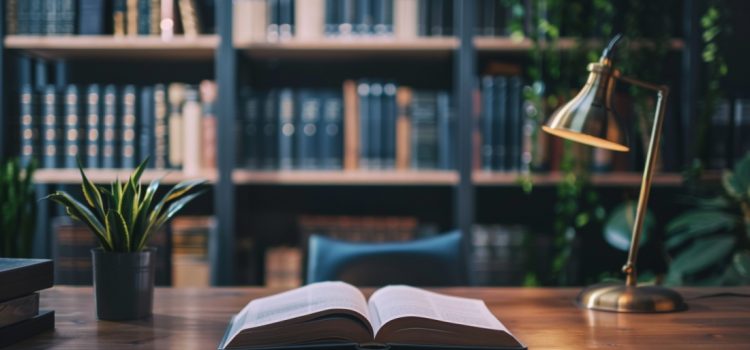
(662, 93)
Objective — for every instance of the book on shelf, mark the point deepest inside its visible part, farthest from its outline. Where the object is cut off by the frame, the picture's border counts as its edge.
(335, 313)
(501, 124)
(94, 123)
(72, 129)
(190, 265)
(283, 267)
(51, 139)
(209, 147)
(109, 128)
(497, 255)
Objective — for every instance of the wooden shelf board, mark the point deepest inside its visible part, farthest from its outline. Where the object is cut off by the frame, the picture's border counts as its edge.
(104, 176)
(506, 44)
(326, 47)
(108, 46)
(615, 179)
(351, 178)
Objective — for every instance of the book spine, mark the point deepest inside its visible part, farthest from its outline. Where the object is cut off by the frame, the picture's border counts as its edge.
(11, 17)
(424, 131)
(406, 18)
(389, 125)
(23, 8)
(423, 16)
(189, 15)
(741, 135)
(68, 19)
(91, 17)
(49, 17)
(347, 17)
(286, 129)
(513, 156)
(363, 10)
(351, 125)
(28, 124)
(388, 8)
(286, 19)
(144, 17)
(444, 130)
(376, 126)
(310, 19)
(403, 128)
(500, 123)
(447, 12)
(93, 126)
(155, 17)
(270, 150)
(307, 129)
(191, 128)
(51, 143)
(72, 127)
(161, 138)
(34, 15)
(251, 127)
(176, 97)
(489, 17)
(436, 17)
(131, 17)
(330, 131)
(332, 19)
(167, 20)
(146, 126)
(118, 17)
(127, 136)
(363, 92)
(208, 91)
(272, 31)
(487, 125)
(109, 128)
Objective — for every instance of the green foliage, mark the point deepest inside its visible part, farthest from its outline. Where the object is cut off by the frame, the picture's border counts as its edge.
(710, 244)
(124, 216)
(18, 208)
(618, 229)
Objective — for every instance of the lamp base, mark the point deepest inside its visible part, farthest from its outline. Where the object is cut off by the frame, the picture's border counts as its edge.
(623, 298)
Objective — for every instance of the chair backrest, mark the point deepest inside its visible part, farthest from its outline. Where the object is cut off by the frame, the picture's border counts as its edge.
(434, 261)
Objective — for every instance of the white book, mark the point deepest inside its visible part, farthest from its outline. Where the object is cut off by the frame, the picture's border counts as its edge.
(405, 19)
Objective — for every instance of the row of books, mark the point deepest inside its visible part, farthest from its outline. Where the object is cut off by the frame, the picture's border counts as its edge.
(374, 125)
(116, 127)
(495, 18)
(502, 123)
(497, 256)
(729, 138)
(118, 17)
(190, 261)
(20, 315)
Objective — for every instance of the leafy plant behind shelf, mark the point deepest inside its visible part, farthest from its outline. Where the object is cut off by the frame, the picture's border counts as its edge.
(124, 216)
(18, 208)
(711, 243)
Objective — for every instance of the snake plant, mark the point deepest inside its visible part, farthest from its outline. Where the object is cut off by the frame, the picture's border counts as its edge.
(124, 215)
(18, 208)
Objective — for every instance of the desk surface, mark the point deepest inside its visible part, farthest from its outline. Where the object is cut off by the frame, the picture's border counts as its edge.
(541, 318)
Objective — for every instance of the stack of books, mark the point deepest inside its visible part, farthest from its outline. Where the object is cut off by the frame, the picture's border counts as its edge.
(360, 228)
(21, 280)
(113, 126)
(190, 265)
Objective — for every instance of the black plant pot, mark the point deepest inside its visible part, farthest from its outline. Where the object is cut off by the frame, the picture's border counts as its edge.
(124, 284)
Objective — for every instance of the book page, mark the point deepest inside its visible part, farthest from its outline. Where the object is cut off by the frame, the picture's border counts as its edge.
(303, 301)
(390, 303)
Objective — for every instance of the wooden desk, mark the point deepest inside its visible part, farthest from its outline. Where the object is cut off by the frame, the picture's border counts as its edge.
(541, 318)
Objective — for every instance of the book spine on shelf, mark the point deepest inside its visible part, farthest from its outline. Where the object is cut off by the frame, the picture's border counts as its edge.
(272, 31)
(382, 17)
(500, 123)
(436, 17)
(191, 130)
(269, 151)
(127, 136)
(363, 19)
(22, 10)
(423, 16)
(93, 126)
(513, 148)
(154, 21)
(118, 17)
(332, 18)
(208, 91)
(11, 17)
(72, 127)
(444, 130)
(489, 18)
(403, 128)
(167, 20)
(447, 17)
(161, 137)
(286, 19)
(51, 129)
(331, 131)
(176, 98)
(376, 126)
(67, 17)
(347, 17)
(131, 17)
(251, 128)
(309, 19)
(144, 17)
(351, 125)
(109, 128)
(34, 14)
(146, 135)
(424, 131)
(389, 125)
(191, 24)
(49, 17)
(29, 119)
(363, 92)
(405, 16)
(741, 129)
(250, 21)
(286, 115)
(91, 17)
(309, 110)
(487, 119)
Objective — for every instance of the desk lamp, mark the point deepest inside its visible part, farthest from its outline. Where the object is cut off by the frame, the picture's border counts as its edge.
(589, 118)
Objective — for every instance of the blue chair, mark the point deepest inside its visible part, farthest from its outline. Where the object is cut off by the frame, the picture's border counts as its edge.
(434, 261)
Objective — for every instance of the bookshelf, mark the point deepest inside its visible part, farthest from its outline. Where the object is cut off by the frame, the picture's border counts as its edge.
(106, 176)
(351, 47)
(346, 178)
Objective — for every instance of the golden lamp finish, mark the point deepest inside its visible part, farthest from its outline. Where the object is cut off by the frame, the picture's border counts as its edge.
(589, 118)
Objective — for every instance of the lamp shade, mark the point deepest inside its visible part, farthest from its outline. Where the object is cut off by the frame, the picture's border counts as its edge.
(589, 117)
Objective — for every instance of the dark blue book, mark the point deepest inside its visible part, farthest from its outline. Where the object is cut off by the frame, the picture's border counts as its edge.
(128, 127)
(376, 126)
(91, 18)
(309, 112)
(424, 132)
(347, 16)
(146, 126)
(93, 126)
(272, 30)
(444, 140)
(51, 17)
(29, 121)
(515, 124)
(389, 126)
(286, 115)
(500, 124)
(36, 17)
(22, 9)
(72, 143)
(51, 129)
(332, 17)
(487, 119)
(144, 17)
(109, 128)
(251, 129)
(331, 131)
(437, 16)
(363, 19)
(161, 136)
(363, 91)
(67, 17)
(286, 19)
(423, 15)
(269, 150)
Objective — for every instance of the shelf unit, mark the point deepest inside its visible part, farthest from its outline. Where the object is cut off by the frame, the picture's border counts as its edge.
(225, 53)
(104, 176)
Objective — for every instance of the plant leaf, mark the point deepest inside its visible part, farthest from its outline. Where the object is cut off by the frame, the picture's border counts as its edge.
(116, 225)
(741, 262)
(91, 194)
(702, 253)
(618, 229)
(698, 223)
(80, 212)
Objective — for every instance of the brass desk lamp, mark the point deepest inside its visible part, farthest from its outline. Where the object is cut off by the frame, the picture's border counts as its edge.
(589, 118)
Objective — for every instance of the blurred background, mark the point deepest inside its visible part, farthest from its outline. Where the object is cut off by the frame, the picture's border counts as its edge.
(354, 119)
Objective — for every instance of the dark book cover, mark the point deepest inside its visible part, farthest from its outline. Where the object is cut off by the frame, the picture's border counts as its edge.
(93, 126)
(514, 124)
(146, 126)
(286, 19)
(37, 17)
(44, 321)
(309, 114)
(332, 17)
(487, 122)
(92, 17)
(251, 129)
(424, 130)
(161, 136)
(376, 126)
(19, 309)
(23, 10)
(269, 151)
(387, 22)
(445, 127)
(128, 129)
(436, 17)
(272, 30)
(347, 17)
(72, 143)
(144, 17)
(390, 112)
(51, 128)
(363, 91)
(287, 128)
(330, 132)
(21, 277)
(50, 17)
(447, 17)
(500, 124)
(67, 24)
(109, 128)
(29, 122)
(423, 17)
(364, 17)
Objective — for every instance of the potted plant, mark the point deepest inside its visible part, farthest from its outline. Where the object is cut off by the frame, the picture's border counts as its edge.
(18, 208)
(123, 217)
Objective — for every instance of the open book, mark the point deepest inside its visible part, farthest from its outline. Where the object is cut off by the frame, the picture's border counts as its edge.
(330, 313)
